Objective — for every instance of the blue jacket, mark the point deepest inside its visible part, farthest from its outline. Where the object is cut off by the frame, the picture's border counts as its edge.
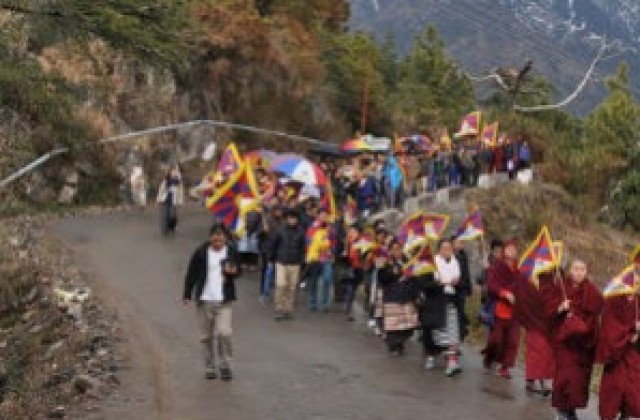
(393, 173)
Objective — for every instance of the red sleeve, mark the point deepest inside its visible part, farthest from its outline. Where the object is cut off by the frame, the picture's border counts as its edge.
(552, 300)
(614, 335)
(493, 283)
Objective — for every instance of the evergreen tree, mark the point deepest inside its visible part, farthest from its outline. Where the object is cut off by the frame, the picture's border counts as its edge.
(431, 89)
(613, 133)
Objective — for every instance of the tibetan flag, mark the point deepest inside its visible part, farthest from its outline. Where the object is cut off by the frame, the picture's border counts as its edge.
(379, 251)
(350, 212)
(471, 227)
(635, 255)
(470, 125)
(422, 263)
(412, 231)
(539, 257)
(230, 161)
(234, 199)
(435, 225)
(365, 243)
(490, 135)
(626, 283)
(558, 251)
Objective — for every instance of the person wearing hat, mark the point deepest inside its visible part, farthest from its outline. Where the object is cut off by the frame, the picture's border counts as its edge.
(504, 338)
(210, 282)
(287, 250)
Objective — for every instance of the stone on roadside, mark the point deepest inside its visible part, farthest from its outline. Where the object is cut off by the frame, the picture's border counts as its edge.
(84, 383)
(58, 412)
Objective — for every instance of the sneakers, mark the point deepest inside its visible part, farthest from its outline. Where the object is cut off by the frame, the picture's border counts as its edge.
(210, 374)
(225, 374)
(429, 363)
(371, 323)
(453, 368)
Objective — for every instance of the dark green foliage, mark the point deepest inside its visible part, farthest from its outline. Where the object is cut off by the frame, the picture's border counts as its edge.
(411, 93)
(625, 201)
(150, 29)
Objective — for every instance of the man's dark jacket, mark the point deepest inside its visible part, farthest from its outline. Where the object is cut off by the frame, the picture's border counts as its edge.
(288, 245)
(196, 277)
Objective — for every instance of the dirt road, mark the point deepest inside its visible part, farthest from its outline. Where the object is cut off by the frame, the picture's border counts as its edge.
(316, 367)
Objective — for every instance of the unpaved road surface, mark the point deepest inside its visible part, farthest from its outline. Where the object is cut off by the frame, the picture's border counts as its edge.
(316, 367)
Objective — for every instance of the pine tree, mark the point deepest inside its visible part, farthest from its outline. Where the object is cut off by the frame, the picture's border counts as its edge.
(431, 90)
(613, 133)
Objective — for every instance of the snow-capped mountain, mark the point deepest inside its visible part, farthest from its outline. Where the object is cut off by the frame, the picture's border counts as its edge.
(561, 36)
(589, 19)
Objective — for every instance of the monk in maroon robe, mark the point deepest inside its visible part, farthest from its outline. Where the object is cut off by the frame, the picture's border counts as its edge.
(539, 361)
(502, 344)
(573, 305)
(619, 352)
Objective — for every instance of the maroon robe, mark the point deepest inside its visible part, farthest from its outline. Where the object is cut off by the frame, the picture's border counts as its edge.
(573, 348)
(620, 386)
(539, 360)
(502, 344)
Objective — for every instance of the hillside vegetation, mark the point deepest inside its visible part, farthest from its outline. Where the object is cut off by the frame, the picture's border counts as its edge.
(72, 73)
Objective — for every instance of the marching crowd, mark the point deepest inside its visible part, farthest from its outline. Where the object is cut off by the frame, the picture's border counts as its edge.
(407, 290)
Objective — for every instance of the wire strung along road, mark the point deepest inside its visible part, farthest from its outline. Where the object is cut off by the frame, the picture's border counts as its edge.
(316, 367)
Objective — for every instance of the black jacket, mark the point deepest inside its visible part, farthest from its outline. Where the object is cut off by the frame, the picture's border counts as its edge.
(396, 289)
(196, 277)
(288, 245)
(432, 301)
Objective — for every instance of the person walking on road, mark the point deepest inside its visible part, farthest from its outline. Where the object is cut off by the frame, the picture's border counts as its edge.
(210, 282)
(288, 253)
(170, 195)
(504, 337)
(447, 274)
(320, 240)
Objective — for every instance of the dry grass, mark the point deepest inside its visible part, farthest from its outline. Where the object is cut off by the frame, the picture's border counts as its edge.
(515, 210)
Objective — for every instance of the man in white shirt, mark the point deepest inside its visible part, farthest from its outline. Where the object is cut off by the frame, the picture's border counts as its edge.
(210, 282)
(448, 275)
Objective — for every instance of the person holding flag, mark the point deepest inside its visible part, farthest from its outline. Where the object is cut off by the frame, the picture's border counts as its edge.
(400, 316)
(619, 347)
(572, 304)
(504, 338)
(536, 266)
(320, 254)
(356, 269)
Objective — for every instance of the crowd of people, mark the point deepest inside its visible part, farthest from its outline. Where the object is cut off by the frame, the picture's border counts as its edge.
(301, 244)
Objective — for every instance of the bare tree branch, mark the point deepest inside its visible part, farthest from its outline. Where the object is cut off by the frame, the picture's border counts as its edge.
(492, 76)
(575, 94)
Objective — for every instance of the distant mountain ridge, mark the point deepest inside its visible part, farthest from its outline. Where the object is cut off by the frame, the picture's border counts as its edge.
(561, 36)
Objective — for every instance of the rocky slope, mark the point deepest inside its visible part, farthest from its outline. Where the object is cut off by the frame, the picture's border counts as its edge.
(59, 352)
(561, 36)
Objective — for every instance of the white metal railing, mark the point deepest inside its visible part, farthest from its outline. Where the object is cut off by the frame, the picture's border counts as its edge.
(155, 130)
